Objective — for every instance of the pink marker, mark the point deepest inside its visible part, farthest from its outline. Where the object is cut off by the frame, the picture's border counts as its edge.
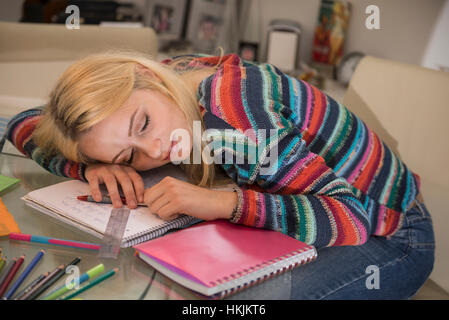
(59, 242)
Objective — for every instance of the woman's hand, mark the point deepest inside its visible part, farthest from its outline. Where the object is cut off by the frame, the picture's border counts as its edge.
(172, 196)
(109, 174)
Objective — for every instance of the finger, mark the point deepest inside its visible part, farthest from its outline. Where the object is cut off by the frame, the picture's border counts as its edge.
(138, 184)
(127, 187)
(151, 194)
(159, 203)
(168, 211)
(95, 188)
(171, 217)
(111, 185)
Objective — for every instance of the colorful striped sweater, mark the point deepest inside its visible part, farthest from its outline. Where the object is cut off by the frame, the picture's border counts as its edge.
(335, 182)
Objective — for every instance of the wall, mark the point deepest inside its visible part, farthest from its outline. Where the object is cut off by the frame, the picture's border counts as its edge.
(305, 12)
(406, 25)
(437, 53)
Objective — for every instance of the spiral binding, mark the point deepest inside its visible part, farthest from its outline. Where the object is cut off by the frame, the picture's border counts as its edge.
(157, 231)
(261, 274)
(226, 293)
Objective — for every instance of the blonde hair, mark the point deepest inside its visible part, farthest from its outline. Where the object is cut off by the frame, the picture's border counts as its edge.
(96, 86)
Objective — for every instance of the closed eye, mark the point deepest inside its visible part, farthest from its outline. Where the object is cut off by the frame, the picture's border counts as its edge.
(131, 157)
(147, 121)
(145, 125)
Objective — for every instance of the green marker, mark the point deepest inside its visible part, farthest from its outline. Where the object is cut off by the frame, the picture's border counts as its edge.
(90, 274)
(97, 280)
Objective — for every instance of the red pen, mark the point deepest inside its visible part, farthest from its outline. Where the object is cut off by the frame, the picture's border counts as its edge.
(11, 275)
(105, 199)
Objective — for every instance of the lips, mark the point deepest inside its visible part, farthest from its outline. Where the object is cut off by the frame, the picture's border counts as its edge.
(169, 150)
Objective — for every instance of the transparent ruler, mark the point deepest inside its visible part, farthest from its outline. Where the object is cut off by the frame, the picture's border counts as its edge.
(113, 236)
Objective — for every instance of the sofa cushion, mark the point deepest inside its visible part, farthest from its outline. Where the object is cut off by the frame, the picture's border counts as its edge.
(406, 105)
(49, 42)
(27, 84)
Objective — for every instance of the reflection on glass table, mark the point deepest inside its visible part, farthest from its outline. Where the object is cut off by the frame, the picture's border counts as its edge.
(134, 276)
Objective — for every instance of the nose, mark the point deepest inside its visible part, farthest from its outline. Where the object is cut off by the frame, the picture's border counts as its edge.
(153, 148)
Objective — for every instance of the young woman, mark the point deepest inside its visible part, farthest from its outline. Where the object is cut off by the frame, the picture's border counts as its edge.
(330, 181)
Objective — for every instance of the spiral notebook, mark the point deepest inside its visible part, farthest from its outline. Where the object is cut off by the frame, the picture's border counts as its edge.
(218, 258)
(60, 201)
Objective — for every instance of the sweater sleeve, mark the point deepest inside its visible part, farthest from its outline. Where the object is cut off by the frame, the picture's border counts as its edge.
(19, 132)
(285, 187)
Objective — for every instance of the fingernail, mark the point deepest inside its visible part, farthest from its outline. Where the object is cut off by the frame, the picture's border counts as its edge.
(132, 203)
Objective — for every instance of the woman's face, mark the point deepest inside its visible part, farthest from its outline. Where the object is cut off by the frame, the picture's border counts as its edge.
(142, 133)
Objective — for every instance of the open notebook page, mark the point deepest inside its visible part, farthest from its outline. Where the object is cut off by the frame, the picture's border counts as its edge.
(61, 199)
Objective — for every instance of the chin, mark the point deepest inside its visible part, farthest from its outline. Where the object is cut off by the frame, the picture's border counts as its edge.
(149, 167)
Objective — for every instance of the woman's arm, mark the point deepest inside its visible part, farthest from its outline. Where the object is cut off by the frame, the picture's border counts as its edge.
(315, 206)
(301, 196)
(19, 132)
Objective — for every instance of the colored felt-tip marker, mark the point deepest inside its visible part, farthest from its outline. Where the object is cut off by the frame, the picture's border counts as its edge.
(59, 242)
(54, 276)
(106, 199)
(11, 275)
(24, 274)
(90, 274)
(92, 283)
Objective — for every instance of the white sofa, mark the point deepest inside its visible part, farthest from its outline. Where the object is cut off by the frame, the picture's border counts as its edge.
(32, 56)
(407, 106)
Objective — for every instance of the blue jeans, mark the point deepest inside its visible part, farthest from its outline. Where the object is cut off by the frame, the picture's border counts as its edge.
(383, 268)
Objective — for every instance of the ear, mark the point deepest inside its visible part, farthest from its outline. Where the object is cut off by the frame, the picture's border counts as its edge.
(141, 69)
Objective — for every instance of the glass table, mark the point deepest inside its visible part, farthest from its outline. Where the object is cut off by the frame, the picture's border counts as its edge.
(134, 275)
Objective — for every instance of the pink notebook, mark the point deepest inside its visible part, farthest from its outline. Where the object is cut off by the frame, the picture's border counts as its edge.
(218, 258)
